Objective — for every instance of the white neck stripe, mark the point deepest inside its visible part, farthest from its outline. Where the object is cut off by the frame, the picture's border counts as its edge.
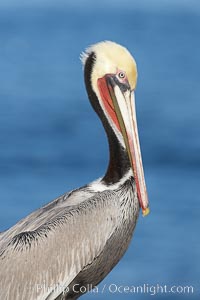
(99, 186)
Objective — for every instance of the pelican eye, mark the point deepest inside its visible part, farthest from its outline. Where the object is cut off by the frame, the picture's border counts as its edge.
(121, 75)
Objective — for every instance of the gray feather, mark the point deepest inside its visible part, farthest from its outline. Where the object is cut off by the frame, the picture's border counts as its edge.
(64, 242)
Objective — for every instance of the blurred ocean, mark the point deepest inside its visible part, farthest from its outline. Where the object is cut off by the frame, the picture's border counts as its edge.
(51, 141)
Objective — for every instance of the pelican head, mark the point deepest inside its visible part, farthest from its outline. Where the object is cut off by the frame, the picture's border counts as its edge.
(113, 78)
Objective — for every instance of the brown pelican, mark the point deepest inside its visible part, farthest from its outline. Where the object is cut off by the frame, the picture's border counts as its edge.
(75, 240)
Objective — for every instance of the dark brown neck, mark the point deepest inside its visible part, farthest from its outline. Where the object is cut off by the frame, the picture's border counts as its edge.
(119, 162)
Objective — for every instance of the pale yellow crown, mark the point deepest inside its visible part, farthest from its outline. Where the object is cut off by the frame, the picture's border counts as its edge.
(111, 57)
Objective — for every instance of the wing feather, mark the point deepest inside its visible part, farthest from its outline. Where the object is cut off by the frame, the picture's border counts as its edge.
(43, 259)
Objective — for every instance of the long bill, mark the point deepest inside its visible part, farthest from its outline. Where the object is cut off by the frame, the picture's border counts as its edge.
(120, 105)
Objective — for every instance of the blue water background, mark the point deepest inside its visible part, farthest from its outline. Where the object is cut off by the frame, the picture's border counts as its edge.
(51, 140)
